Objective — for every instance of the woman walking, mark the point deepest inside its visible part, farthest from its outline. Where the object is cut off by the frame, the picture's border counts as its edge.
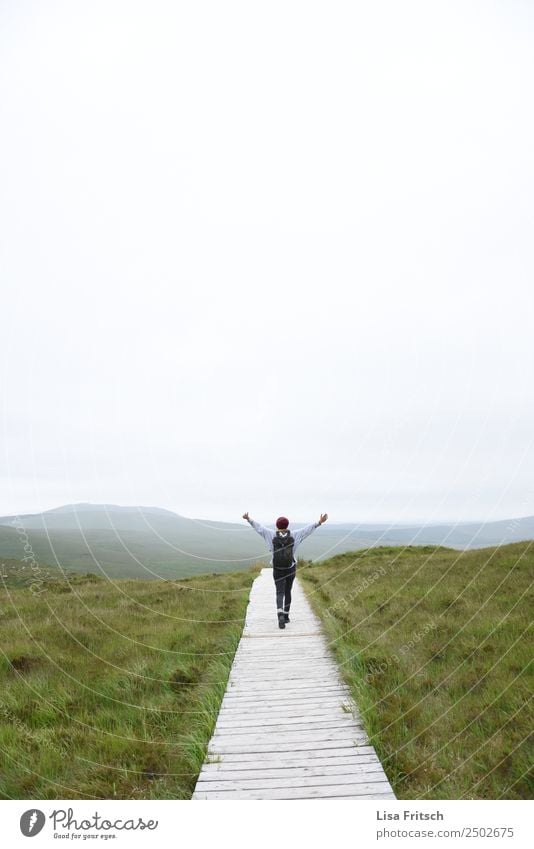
(283, 544)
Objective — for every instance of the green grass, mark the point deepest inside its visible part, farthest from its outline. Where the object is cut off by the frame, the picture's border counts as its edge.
(436, 647)
(111, 690)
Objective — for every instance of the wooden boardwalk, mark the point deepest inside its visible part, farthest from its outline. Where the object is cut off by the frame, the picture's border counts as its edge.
(287, 728)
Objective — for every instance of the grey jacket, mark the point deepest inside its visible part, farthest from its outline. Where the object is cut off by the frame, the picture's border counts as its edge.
(298, 536)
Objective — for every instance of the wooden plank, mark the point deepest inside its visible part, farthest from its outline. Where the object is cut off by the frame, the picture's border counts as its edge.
(287, 705)
(286, 697)
(239, 686)
(283, 689)
(281, 661)
(286, 668)
(234, 783)
(302, 717)
(369, 790)
(287, 676)
(229, 746)
(323, 765)
(350, 768)
(279, 701)
(281, 651)
(280, 677)
(299, 712)
(318, 735)
(297, 709)
(327, 756)
(276, 725)
(276, 644)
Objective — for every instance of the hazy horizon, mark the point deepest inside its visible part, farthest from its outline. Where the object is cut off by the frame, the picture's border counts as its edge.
(295, 520)
(275, 259)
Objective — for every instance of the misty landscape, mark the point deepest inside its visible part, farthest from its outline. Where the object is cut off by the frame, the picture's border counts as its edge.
(150, 542)
(264, 261)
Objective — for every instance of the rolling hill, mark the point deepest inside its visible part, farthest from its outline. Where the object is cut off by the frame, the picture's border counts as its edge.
(151, 543)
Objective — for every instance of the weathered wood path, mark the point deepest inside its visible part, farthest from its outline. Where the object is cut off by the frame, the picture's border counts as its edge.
(287, 728)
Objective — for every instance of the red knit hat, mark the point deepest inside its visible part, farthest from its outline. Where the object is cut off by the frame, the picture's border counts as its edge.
(282, 523)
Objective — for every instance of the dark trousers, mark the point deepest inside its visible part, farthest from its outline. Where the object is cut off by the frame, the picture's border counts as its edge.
(283, 579)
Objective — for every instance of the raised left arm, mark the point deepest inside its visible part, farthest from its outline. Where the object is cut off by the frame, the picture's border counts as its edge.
(302, 533)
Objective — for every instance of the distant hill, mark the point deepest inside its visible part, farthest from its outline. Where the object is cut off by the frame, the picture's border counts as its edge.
(151, 542)
(87, 507)
(464, 535)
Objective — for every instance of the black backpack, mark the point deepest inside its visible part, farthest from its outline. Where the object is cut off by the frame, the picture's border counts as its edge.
(283, 551)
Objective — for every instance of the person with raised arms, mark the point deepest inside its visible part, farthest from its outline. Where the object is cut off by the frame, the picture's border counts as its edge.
(283, 544)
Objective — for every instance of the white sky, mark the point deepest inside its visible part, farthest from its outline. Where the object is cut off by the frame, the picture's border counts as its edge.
(270, 256)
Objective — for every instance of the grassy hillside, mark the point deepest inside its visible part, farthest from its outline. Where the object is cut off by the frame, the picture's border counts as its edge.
(111, 690)
(129, 553)
(436, 646)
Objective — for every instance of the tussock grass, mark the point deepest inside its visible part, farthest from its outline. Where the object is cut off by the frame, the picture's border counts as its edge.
(112, 690)
(436, 647)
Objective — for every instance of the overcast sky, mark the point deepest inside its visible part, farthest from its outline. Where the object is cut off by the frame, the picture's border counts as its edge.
(272, 256)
